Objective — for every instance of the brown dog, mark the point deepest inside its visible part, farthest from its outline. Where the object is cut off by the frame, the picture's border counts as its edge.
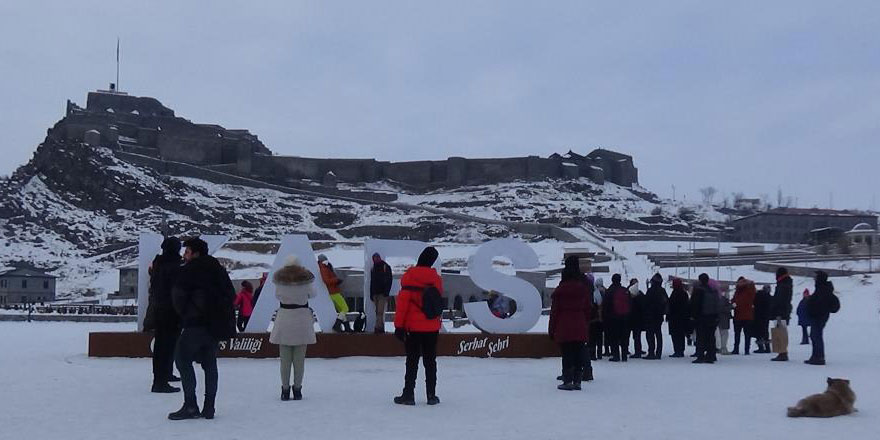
(837, 400)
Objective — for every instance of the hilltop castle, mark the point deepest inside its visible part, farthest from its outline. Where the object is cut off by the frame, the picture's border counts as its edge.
(142, 125)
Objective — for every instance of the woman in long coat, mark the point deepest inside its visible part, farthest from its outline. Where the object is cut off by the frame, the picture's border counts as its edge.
(569, 322)
(294, 327)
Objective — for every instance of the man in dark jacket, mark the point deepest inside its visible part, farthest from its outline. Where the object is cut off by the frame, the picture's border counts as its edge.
(615, 310)
(202, 286)
(781, 310)
(705, 305)
(679, 317)
(761, 323)
(820, 305)
(636, 320)
(161, 318)
(654, 309)
(381, 279)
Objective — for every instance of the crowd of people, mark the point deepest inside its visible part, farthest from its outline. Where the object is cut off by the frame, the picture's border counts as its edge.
(193, 301)
(590, 321)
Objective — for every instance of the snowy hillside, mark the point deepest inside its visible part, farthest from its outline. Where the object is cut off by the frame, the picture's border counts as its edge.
(76, 211)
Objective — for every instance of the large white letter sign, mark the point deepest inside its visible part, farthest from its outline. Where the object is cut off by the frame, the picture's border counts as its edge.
(528, 299)
(387, 248)
(149, 245)
(267, 304)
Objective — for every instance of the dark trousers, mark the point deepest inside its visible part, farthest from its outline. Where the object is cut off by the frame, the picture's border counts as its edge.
(242, 322)
(655, 339)
(677, 331)
(637, 341)
(761, 332)
(197, 345)
(817, 331)
(618, 331)
(572, 360)
(805, 335)
(594, 345)
(164, 344)
(744, 327)
(422, 345)
(706, 348)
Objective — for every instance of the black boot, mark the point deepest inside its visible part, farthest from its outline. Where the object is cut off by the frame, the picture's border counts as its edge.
(405, 398)
(208, 408)
(163, 388)
(433, 400)
(560, 377)
(187, 411)
(297, 393)
(781, 357)
(285, 393)
(174, 379)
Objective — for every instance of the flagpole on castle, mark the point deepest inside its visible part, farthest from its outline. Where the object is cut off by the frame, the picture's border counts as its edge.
(117, 64)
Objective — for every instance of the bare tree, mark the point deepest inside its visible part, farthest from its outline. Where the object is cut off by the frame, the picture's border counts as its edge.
(708, 194)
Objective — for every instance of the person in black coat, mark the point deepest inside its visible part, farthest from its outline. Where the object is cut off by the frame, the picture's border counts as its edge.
(615, 312)
(381, 279)
(761, 323)
(679, 317)
(821, 304)
(704, 306)
(780, 310)
(161, 318)
(637, 317)
(202, 285)
(654, 309)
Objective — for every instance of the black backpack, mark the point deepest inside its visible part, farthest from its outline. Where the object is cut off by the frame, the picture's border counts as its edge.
(432, 301)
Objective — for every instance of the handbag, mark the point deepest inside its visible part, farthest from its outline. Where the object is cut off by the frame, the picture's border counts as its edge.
(779, 337)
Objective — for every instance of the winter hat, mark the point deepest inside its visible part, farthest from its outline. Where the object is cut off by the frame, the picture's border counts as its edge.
(806, 293)
(634, 289)
(247, 286)
(704, 279)
(781, 272)
(377, 258)
(322, 258)
(615, 279)
(821, 276)
(171, 246)
(428, 257)
(657, 278)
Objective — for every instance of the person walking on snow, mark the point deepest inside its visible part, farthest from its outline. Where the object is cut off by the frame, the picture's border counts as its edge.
(294, 328)
(781, 311)
(570, 308)
(244, 302)
(415, 329)
(332, 281)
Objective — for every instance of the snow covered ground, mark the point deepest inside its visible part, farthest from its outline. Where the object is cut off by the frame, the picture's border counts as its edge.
(51, 389)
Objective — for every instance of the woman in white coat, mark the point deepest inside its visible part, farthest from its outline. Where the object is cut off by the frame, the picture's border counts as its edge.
(294, 327)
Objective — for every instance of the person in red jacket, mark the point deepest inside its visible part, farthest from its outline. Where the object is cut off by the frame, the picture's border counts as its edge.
(418, 333)
(569, 322)
(244, 302)
(743, 313)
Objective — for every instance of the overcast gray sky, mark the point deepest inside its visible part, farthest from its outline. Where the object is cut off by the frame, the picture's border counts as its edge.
(747, 96)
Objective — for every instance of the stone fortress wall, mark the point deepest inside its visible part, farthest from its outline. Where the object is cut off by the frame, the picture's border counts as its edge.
(142, 125)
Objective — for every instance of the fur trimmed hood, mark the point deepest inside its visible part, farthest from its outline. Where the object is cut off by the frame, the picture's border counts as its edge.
(292, 275)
